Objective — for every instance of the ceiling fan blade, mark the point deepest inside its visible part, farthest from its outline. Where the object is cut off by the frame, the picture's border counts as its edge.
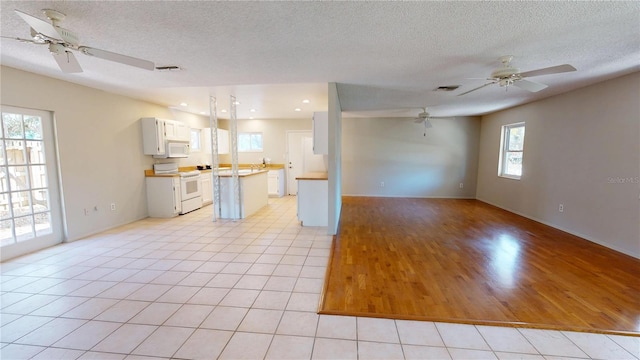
(119, 58)
(20, 39)
(418, 120)
(529, 85)
(39, 26)
(478, 88)
(67, 62)
(550, 70)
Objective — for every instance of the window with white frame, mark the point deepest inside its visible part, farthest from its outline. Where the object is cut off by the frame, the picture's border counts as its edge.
(511, 151)
(195, 140)
(250, 142)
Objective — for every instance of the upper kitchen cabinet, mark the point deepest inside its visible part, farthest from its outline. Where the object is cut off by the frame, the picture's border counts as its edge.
(176, 130)
(153, 136)
(223, 141)
(158, 133)
(321, 133)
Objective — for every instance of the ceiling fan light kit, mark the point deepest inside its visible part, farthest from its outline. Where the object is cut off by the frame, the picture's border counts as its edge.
(424, 118)
(61, 40)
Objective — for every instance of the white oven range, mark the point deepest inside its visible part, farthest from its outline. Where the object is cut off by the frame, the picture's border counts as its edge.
(190, 191)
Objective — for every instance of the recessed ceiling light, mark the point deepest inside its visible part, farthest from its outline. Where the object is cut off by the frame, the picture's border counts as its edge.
(203, 113)
(250, 117)
(253, 110)
(297, 109)
(223, 110)
(305, 101)
(237, 103)
(183, 104)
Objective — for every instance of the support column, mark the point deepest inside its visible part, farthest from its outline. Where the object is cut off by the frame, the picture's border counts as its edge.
(215, 163)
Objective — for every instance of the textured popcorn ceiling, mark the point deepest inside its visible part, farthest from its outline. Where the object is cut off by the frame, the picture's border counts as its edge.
(387, 57)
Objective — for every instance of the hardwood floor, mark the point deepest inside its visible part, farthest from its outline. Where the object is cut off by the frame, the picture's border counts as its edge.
(469, 262)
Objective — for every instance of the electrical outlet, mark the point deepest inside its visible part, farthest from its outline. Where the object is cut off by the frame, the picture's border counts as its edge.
(86, 212)
(381, 183)
(561, 208)
(461, 185)
(113, 206)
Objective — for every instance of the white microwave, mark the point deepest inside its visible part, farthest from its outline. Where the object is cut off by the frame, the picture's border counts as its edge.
(178, 149)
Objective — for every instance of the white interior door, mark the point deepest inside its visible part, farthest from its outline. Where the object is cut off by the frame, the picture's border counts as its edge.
(311, 161)
(295, 158)
(300, 158)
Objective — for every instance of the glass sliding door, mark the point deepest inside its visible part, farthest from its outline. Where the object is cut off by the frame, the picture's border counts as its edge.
(30, 214)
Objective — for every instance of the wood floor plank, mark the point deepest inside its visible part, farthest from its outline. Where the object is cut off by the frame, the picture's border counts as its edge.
(470, 262)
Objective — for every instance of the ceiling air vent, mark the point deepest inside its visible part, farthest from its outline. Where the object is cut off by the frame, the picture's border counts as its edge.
(446, 88)
(168, 68)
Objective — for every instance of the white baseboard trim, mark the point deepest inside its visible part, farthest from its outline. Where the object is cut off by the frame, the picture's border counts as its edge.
(412, 197)
(96, 232)
(583, 236)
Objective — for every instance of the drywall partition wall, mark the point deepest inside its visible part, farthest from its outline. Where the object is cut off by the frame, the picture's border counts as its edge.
(274, 138)
(395, 157)
(582, 150)
(335, 160)
(100, 147)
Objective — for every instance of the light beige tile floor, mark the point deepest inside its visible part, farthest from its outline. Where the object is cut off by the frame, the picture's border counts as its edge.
(190, 288)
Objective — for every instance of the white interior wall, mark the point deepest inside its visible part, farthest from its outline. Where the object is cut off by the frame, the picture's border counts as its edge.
(334, 159)
(395, 151)
(274, 136)
(582, 149)
(100, 147)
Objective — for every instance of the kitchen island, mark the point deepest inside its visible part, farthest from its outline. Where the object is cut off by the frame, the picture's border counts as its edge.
(253, 193)
(313, 199)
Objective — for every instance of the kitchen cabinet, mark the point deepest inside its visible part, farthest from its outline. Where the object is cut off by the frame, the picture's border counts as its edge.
(153, 139)
(177, 131)
(223, 141)
(163, 196)
(321, 133)
(275, 183)
(207, 189)
(157, 132)
(313, 199)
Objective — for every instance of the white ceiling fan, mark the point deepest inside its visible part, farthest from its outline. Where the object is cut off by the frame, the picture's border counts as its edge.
(425, 118)
(507, 75)
(61, 40)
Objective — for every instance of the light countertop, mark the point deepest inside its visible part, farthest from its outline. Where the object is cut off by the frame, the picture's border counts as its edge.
(222, 168)
(314, 175)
